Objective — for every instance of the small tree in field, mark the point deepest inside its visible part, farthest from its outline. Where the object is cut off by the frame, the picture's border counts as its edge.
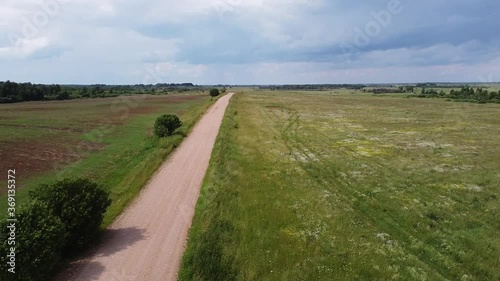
(165, 125)
(214, 92)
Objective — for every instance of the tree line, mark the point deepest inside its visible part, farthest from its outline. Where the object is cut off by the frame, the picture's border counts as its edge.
(313, 87)
(392, 90)
(14, 92)
(17, 92)
(466, 93)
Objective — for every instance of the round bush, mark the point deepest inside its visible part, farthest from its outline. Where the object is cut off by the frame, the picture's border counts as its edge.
(39, 240)
(165, 125)
(214, 92)
(80, 204)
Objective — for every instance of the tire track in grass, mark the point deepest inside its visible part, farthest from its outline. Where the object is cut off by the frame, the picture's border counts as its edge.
(290, 135)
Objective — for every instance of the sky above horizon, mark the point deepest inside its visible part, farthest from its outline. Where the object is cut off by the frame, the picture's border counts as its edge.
(249, 41)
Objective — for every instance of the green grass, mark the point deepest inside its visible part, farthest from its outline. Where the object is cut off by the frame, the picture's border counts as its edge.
(318, 186)
(127, 153)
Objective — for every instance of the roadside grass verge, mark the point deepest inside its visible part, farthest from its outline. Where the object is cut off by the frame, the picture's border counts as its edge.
(211, 230)
(306, 186)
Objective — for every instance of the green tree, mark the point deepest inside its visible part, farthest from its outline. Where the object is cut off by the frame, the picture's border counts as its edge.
(63, 95)
(84, 92)
(214, 92)
(39, 241)
(80, 204)
(165, 125)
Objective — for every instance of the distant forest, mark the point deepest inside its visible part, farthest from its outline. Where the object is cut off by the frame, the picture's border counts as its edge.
(17, 92)
(314, 87)
(466, 93)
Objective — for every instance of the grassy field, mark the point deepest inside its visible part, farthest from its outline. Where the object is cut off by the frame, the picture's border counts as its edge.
(318, 186)
(109, 140)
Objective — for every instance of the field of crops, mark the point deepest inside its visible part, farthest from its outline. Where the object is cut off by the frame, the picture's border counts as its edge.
(109, 140)
(322, 186)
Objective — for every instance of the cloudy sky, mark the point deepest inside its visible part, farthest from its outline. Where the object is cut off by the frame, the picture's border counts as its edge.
(249, 41)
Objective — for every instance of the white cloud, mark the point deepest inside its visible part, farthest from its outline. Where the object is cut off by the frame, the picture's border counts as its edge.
(169, 69)
(23, 48)
(226, 41)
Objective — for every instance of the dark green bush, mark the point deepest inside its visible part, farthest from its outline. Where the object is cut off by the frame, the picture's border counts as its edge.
(165, 125)
(214, 92)
(39, 239)
(80, 204)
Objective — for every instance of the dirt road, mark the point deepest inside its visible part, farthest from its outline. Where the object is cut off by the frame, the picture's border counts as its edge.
(147, 241)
